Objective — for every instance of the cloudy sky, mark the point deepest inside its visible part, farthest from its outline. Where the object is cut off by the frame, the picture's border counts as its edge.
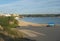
(30, 6)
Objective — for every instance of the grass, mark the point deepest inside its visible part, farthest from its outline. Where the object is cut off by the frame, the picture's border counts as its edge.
(8, 32)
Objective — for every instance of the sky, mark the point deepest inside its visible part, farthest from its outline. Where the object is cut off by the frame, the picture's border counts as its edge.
(30, 6)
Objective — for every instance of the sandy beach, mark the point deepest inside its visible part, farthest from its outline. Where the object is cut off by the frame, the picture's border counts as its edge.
(39, 32)
(23, 23)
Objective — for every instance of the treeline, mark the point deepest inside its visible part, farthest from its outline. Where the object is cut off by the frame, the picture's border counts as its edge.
(41, 15)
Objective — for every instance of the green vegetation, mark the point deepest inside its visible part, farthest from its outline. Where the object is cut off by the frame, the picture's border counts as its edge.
(8, 22)
(7, 27)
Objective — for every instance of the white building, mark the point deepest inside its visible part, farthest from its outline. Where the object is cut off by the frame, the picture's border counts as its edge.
(5, 15)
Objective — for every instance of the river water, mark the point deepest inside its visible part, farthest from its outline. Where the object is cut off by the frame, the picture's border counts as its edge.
(42, 20)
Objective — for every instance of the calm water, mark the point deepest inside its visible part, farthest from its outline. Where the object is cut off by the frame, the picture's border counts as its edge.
(43, 20)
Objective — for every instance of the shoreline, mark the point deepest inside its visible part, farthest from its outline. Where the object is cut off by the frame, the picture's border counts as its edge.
(24, 23)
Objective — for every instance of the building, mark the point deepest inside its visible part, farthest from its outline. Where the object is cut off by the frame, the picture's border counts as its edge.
(5, 15)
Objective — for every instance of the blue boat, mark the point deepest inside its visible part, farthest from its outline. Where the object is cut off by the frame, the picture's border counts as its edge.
(51, 24)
